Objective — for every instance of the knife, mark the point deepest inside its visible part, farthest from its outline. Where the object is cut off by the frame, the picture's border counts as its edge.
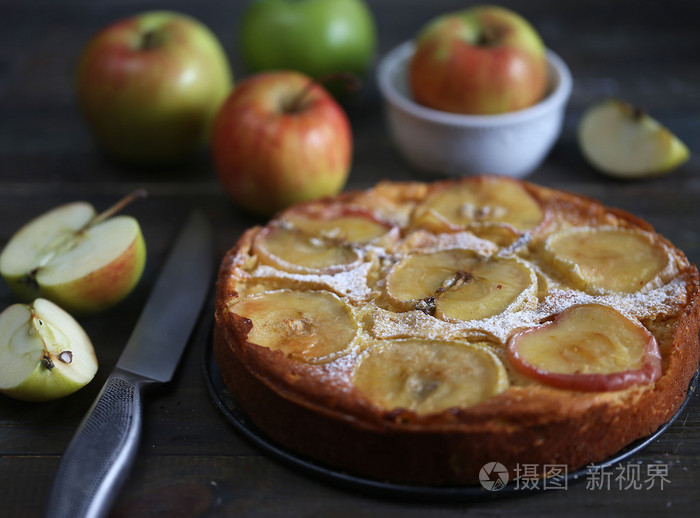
(103, 449)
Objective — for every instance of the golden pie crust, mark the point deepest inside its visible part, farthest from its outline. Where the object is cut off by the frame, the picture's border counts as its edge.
(314, 407)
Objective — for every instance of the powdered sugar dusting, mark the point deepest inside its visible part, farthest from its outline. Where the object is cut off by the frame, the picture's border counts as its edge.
(390, 325)
(351, 283)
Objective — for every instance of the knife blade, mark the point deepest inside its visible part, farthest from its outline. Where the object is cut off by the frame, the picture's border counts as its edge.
(98, 458)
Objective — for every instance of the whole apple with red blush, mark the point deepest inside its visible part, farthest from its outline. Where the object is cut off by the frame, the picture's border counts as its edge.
(150, 85)
(483, 60)
(280, 138)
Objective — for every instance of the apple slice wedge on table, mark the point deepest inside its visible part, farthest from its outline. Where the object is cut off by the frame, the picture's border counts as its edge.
(587, 347)
(44, 353)
(82, 261)
(623, 141)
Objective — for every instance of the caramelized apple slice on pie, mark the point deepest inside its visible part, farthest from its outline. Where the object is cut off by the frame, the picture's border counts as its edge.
(319, 239)
(491, 207)
(587, 347)
(291, 249)
(339, 222)
(311, 326)
(604, 260)
(427, 376)
(459, 284)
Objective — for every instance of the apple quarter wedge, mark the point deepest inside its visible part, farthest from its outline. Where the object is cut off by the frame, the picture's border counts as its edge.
(44, 352)
(622, 141)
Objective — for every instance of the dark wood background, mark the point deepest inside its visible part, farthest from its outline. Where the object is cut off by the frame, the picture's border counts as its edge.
(191, 462)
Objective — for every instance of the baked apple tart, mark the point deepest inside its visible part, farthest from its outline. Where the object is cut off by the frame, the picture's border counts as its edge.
(414, 332)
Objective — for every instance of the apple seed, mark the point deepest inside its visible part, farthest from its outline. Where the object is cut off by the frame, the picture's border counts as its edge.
(427, 306)
(66, 356)
(461, 277)
(47, 362)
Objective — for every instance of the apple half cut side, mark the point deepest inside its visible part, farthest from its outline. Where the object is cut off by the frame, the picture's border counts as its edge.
(44, 353)
(587, 347)
(77, 259)
(622, 141)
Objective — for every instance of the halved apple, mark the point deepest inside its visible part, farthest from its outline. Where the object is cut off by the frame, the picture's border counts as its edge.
(44, 353)
(623, 141)
(82, 261)
(587, 347)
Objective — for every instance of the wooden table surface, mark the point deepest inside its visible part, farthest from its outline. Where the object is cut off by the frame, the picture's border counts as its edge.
(191, 461)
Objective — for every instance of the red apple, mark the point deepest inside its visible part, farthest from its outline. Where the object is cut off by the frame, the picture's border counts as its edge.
(150, 85)
(280, 138)
(483, 60)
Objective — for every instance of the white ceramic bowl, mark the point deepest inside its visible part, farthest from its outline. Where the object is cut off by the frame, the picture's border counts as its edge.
(512, 144)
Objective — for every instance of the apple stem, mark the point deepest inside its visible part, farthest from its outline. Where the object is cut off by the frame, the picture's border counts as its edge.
(149, 40)
(139, 193)
(637, 112)
(487, 37)
(350, 82)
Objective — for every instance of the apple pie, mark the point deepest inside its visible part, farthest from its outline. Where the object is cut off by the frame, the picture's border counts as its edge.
(414, 332)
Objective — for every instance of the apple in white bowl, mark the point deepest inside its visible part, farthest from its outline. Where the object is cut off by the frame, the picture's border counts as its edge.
(280, 138)
(44, 353)
(482, 60)
(150, 85)
(83, 261)
(454, 144)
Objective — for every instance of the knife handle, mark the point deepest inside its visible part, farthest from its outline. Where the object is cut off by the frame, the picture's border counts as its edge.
(100, 454)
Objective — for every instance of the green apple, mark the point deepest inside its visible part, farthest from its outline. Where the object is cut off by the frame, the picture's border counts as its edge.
(150, 85)
(82, 261)
(279, 139)
(481, 61)
(44, 353)
(621, 140)
(315, 37)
